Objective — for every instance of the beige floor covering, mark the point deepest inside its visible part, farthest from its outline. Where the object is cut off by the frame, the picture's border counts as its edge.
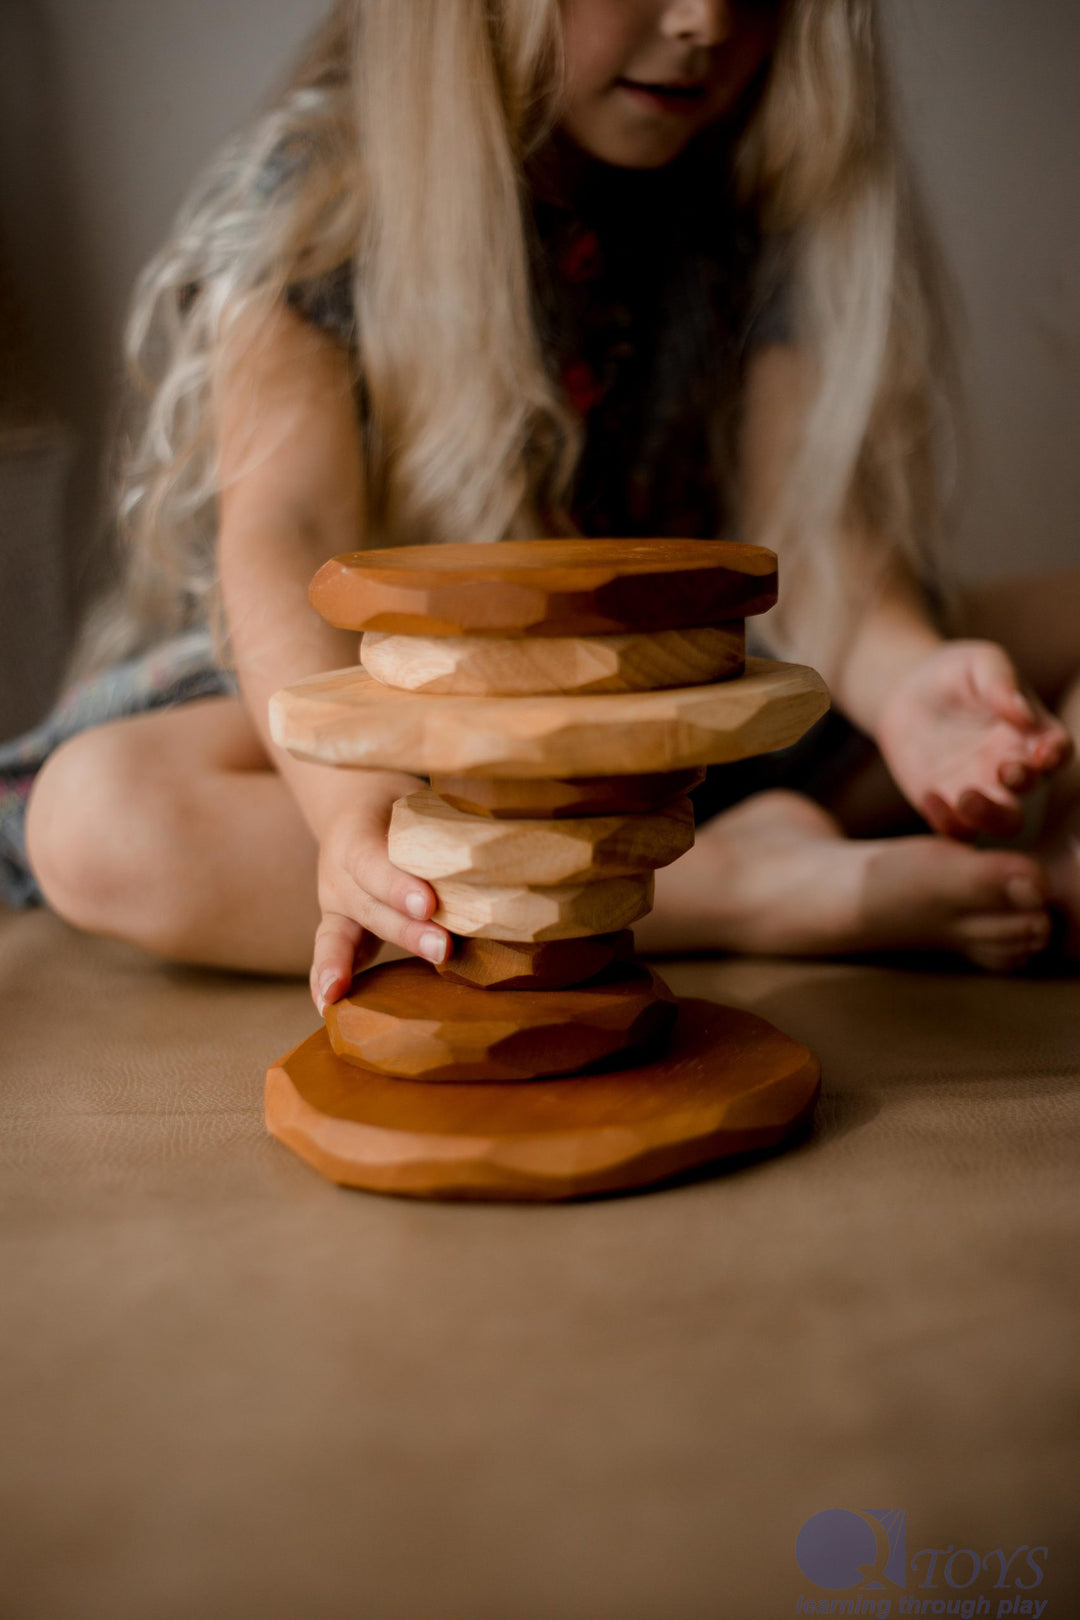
(229, 1389)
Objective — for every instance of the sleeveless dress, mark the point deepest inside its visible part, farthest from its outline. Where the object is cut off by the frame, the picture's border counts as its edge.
(648, 304)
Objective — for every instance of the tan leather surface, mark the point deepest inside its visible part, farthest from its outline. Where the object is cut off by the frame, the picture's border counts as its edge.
(230, 1389)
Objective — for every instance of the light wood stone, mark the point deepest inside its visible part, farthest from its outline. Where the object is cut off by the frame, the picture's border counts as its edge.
(347, 718)
(432, 840)
(485, 666)
(570, 911)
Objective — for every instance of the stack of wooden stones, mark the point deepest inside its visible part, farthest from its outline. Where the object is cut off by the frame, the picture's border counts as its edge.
(561, 698)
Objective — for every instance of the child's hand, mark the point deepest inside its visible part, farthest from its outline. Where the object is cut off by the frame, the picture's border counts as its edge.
(364, 899)
(964, 741)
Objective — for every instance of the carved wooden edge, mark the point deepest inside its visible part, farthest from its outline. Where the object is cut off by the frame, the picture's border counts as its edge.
(346, 718)
(465, 1165)
(565, 798)
(545, 587)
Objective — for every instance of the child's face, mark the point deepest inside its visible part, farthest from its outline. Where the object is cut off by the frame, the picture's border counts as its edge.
(644, 76)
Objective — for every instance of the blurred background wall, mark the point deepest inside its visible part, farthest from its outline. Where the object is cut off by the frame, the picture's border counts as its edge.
(108, 107)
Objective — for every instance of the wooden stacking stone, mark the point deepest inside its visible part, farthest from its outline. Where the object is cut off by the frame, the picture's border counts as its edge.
(432, 840)
(347, 718)
(406, 1021)
(485, 666)
(728, 1084)
(511, 799)
(548, 964)
(562, 698)
(566, 911)
(550, 588)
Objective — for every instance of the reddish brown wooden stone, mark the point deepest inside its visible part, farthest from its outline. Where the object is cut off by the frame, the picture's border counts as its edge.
(404, 1020)
(729, 1084)
(518, 800)
(546, 587)
(553, 964)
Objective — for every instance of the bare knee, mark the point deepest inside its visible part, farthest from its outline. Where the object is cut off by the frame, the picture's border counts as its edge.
(99, 826)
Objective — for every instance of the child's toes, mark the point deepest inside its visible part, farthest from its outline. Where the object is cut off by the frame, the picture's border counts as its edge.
(1001, 943)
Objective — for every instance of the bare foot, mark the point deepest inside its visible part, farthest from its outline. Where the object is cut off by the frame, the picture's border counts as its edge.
(776, 875)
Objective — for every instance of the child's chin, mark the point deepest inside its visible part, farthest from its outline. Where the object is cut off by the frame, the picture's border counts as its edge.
(631, 142)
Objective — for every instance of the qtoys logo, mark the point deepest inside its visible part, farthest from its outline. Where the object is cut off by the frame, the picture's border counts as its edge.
(863, 1551)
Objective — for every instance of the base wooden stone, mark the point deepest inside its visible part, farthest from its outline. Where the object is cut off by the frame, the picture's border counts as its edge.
(728, 1084)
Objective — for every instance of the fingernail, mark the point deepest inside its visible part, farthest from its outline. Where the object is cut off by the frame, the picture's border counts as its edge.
(433, 946)
(326, 984)
(1023, 894)
(415, 903)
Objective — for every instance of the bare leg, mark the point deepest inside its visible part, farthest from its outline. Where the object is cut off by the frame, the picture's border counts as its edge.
(173, 831)
(780, 873)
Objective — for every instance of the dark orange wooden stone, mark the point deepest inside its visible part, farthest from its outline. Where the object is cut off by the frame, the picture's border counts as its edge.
(516, 799)
(545, 587)
(403, 1020)
(549, 964)
(729, 1084)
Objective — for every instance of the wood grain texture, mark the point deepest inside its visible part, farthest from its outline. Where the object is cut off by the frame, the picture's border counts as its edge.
(553, 964)
(489, 666)
(346, 718)
(514, 799)
(729, 1084)
(404, 1020)
(545, 587)
(432, 840)
(570, 911)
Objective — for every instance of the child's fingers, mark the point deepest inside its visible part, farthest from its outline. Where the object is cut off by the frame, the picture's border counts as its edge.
(396, 906)
(1052, 747)
(998, 684)
(341, 948)
(990, 815)
(376, 875)
(1018, 778)
(943, 818)
(424, 939)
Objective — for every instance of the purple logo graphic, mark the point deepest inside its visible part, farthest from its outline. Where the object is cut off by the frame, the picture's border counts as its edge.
(843, 1547)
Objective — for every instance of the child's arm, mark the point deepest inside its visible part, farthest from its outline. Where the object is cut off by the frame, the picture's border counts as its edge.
(292, 497)
(960, 734)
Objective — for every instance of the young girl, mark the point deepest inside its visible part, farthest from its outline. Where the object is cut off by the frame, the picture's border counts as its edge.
(499, 268)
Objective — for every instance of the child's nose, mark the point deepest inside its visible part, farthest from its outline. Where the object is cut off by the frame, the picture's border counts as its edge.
(705, 22)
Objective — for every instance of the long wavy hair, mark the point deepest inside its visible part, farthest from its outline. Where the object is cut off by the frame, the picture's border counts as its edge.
(412, 123)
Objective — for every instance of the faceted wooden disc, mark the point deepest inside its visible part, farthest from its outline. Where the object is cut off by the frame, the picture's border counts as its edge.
(405, 1021)
(545, 587)
(346, 718)
(432, 840)
(550, 964)
(728, 1084)
(492, 666)
(569, 911)
(512, 799)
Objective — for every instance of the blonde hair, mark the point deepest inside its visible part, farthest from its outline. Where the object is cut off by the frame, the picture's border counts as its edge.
(400, 143)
